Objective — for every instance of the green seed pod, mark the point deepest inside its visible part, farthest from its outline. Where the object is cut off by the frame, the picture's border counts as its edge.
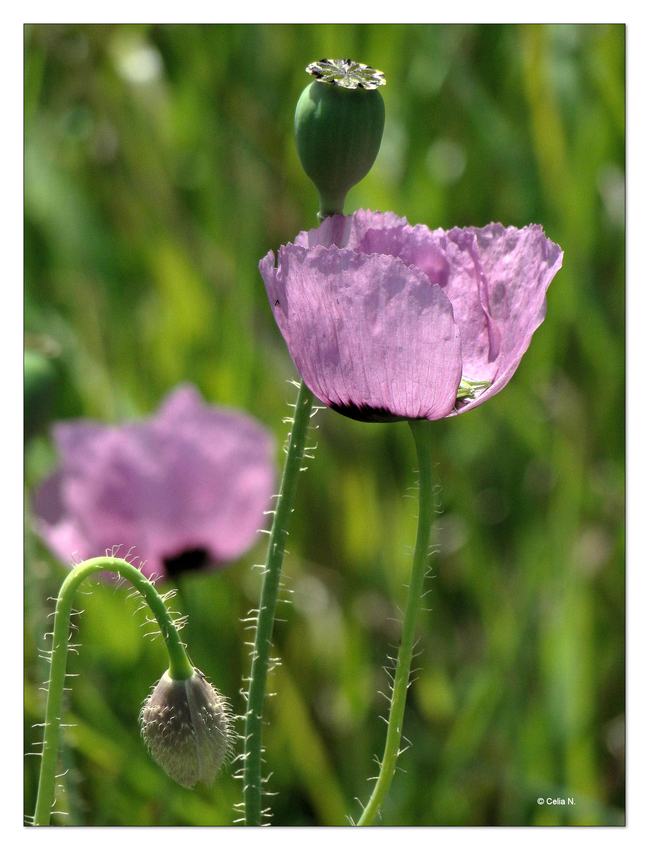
(339, 123)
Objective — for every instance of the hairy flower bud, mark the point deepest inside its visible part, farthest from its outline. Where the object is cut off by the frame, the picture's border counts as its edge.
(187, 727)
(339, 123)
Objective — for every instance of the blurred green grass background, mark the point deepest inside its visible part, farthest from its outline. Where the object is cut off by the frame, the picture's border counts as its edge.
(159, 168)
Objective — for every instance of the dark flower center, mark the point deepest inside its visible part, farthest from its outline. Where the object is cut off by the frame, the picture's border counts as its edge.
(186, 561)
(363, 413)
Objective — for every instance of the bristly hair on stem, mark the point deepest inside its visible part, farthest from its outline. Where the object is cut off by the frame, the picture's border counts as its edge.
(261, 661)
(401, 680)
(180, 668)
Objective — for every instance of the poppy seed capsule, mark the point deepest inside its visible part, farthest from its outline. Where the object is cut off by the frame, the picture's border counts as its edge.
(339, 123)
(186, 725)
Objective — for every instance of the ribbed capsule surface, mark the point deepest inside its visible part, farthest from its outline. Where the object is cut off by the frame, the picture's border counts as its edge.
(187, 727)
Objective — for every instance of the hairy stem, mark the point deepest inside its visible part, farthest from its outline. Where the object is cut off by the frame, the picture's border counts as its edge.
(179, 664)
(421, 433)
(267, 605)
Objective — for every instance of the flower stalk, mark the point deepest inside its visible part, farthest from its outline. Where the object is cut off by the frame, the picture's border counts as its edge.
(179, 664)
(421, 431)
(267, 605)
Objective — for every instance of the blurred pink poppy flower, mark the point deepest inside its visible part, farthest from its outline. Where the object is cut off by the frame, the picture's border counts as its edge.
(386, 322)
(185, 489)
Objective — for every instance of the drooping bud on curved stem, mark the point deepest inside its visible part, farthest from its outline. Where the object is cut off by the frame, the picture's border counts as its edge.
(187, 728)
(202, 706)
(339, 123)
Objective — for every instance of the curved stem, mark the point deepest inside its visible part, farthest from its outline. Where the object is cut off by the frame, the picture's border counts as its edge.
(179, 664)
(421, 433)
(267, 606)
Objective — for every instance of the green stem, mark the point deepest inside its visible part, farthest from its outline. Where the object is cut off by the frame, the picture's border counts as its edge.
(421, 433)
(267, 605)
(179, 664)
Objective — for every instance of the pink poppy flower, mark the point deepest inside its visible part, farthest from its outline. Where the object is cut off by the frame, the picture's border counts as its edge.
(185, 489)
(386, 322)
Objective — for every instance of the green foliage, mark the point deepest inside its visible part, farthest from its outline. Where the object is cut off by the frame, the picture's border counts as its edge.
(160, 166)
